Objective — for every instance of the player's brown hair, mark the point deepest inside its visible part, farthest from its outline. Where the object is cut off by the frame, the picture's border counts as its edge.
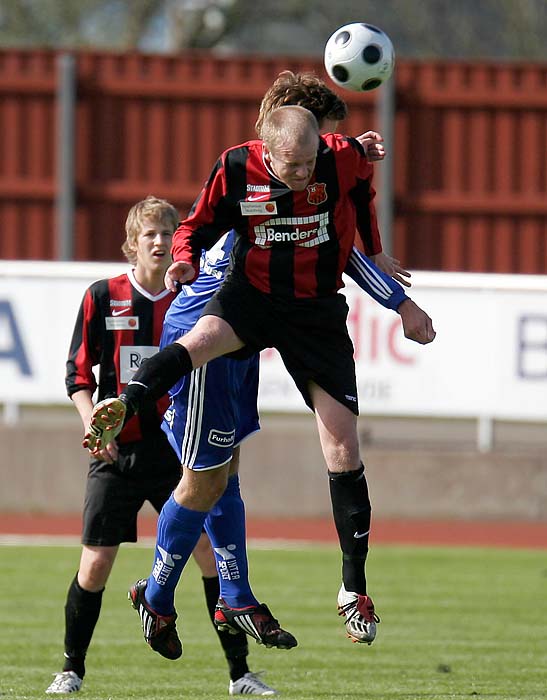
(305, 90)
(153, 208)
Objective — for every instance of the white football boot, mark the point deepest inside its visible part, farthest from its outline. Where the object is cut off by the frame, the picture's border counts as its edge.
(360, 618)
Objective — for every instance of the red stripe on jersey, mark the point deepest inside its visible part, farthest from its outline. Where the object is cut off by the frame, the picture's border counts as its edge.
(116, 323)
(293, 244)
(83, 353)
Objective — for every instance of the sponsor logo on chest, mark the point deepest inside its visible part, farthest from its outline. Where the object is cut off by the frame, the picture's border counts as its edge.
(131, 358)
(256, 201)
(122, 323)
(304, 231)
(120, 318)
(258, 208)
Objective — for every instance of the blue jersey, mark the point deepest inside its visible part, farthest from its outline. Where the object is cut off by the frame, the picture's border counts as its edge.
(191, 300)
(377, 284)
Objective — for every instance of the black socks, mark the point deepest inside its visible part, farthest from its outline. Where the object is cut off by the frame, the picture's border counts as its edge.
(351, 510)
(156, 376)
(235, 646)
(82, 611)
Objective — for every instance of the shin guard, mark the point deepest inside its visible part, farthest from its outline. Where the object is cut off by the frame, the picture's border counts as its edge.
(351, 510)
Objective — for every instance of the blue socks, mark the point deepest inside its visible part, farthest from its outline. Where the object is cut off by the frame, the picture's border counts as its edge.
(228, 516)
(178, 532)
(179, 529)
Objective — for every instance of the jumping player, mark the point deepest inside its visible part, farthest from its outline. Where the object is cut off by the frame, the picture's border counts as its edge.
(289, 253)
(221, 402)
(309, 91)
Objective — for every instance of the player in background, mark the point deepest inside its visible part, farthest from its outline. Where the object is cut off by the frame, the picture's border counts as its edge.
(118, 325)
(229, 612)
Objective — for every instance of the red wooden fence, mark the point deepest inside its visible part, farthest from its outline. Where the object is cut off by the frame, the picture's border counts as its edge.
(470, 160)
(471, 166)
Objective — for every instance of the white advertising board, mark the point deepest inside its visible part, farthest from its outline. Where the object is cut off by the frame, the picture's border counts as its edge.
(489, 357)
(38, 307)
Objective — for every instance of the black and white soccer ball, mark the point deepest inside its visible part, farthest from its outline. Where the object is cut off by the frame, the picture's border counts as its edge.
(359, 57)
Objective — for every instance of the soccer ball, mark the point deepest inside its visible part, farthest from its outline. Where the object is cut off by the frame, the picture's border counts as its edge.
(359, 57)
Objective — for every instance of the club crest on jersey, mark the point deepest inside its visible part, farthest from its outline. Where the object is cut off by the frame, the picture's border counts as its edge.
(317, 193)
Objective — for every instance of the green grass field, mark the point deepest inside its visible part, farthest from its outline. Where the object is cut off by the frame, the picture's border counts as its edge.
(456, 623)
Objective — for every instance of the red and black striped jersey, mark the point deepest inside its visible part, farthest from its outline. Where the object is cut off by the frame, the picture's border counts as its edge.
(289, 244)
(118, 325)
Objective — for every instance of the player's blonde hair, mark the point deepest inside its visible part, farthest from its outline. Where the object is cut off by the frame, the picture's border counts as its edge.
(306, 90)
(152, 208)
(289, 125)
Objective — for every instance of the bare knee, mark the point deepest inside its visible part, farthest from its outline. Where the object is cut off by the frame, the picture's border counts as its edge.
(200, 490)
(337, 427)
(211, 337)
(95, 567)
(341, 457)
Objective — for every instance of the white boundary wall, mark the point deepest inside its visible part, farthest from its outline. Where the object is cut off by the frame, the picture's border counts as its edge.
(489, 360)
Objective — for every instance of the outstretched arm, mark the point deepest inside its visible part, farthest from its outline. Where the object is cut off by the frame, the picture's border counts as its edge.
(374, 281)
(386, 291)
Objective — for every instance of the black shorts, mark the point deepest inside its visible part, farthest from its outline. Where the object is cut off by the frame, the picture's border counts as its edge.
(310, 335)
(145, 471)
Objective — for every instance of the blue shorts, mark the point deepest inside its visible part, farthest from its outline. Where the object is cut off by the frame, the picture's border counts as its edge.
(212, 409)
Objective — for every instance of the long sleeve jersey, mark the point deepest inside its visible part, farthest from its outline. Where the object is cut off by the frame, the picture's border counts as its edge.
(287, 243)
(118, 326)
